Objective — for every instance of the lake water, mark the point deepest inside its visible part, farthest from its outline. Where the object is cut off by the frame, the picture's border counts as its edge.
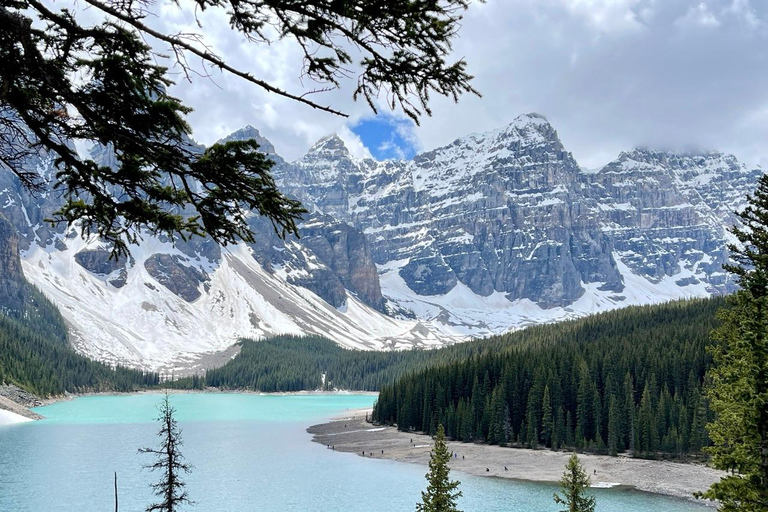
(250, 452)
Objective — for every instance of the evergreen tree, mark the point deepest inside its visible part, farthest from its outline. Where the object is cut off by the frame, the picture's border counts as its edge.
(738, 388)
(441, 493)
(649, 438)
(583, 409)
(579, 366)
(575, 482)
(547, 423)
(614, 426)
(170, 461)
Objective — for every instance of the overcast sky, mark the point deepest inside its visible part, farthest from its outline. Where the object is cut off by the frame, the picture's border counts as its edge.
(608, 74)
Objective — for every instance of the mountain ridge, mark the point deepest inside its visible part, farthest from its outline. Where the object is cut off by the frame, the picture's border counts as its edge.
(491, 232)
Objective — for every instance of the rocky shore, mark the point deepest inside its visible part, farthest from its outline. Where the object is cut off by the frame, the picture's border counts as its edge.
(353, 434)
(17, 401)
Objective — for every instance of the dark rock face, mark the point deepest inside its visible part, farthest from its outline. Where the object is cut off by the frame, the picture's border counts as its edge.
(510, 211)
(328, 258)
(98, 261)
(12, 282)
(498, 212)
(428, 274)
(183, 280)
(344, 250)
(198, 247)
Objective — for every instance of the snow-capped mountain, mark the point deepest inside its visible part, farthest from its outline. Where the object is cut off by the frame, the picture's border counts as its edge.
(491, 232)
(502, 229)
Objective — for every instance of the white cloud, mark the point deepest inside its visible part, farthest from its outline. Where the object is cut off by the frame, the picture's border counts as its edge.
(355, 146)
(698, 15)
(608, 74)
(742, 10)
(607, 15)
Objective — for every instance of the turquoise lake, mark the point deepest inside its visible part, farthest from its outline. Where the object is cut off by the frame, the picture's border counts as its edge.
(250, 452)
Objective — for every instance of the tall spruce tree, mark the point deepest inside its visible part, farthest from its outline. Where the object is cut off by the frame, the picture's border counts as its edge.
(103, 78)
(575, 482)
(169, 461)
(738, 382)
(547, 423)
(441, 493)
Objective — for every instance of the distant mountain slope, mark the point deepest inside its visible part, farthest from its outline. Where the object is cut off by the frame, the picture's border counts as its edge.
(503, 229)
(492, 232)
(34, 352)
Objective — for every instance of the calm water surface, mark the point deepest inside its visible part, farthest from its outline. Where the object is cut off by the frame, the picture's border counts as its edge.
(250, 452)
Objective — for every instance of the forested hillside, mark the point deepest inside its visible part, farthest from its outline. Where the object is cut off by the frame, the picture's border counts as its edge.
(294, 363)
(35, 355)
(627, 380)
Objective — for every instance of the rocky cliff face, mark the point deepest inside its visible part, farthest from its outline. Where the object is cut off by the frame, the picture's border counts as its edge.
(492, 232)
(497, 212)
(12, 283)
(668, 213)
(510, 214)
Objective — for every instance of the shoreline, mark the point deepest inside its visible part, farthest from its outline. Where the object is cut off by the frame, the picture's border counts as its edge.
(352, 434)
(72, 396)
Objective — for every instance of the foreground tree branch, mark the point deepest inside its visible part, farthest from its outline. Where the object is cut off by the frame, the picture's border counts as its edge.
(61, 81)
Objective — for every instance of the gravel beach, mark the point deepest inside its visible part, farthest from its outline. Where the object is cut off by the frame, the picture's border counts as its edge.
(353, 434)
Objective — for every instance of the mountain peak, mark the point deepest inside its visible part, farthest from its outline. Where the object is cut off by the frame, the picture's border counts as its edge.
(531, 117)
(527, 130)
(332, 143)
(669, 156)
(329, 148)
(644, 159)
(247, 133)
(530, 126)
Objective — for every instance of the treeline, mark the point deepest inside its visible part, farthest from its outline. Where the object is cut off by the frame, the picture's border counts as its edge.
(35, 355)
(623, 381)
(296, 363)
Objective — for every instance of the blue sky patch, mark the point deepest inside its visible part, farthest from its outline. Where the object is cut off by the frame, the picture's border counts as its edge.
(387, 137)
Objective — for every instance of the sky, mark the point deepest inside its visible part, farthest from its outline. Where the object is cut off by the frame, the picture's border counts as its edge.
(609, 75)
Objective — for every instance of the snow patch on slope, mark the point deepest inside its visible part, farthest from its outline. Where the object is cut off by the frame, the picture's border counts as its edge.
(463, 313)
(145, 325)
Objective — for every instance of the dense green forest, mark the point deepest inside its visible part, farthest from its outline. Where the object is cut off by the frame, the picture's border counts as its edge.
(584, 372)
(35, 355)
(627, 380)
(295, 363)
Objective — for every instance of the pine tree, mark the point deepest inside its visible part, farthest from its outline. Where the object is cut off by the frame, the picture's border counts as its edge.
(575, 481)
(583, 407)
(547, 423)
(649, 437)
(441, 493)
(614, 426)
(170, 489)
(738, 389)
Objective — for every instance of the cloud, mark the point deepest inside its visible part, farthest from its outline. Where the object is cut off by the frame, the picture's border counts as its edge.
(607, 15)
(742, 10)
(388, 136)
(608, 74)
(700, 16)
(354, 143)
